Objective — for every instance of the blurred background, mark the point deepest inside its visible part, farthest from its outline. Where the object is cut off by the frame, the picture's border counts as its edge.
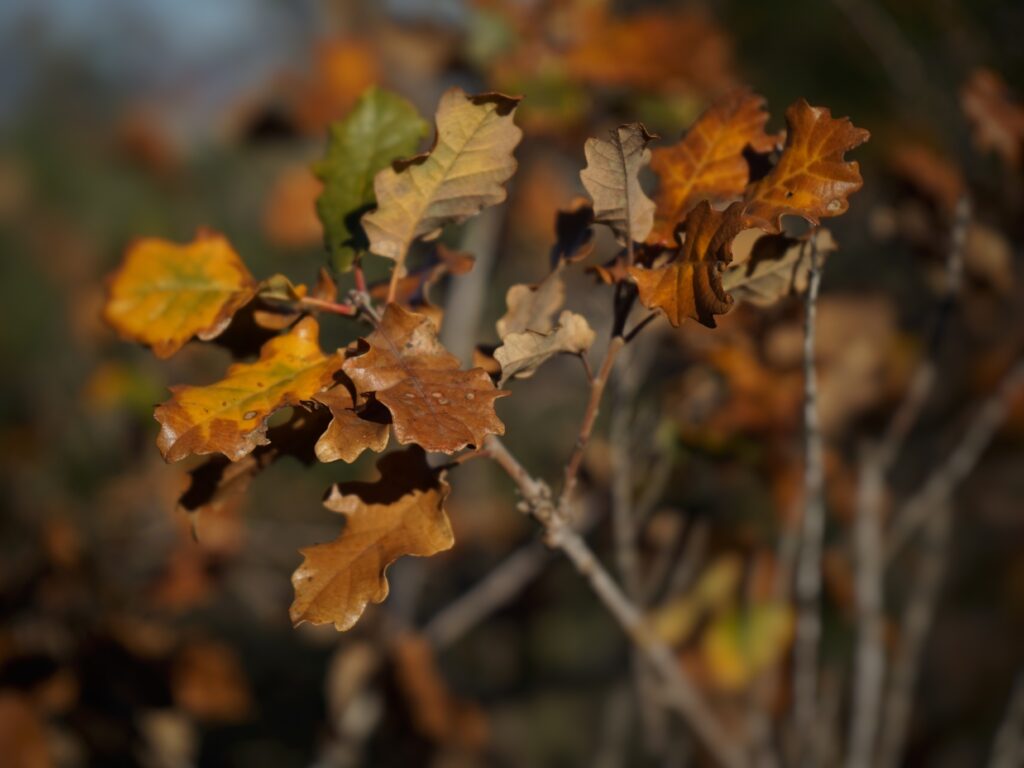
(123, 642)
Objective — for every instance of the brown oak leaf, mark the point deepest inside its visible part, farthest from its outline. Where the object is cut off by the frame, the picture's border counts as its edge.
(400, 514)
(351, 431)
(432, 402)
(230, 416)
(691, 285)
(812, 179)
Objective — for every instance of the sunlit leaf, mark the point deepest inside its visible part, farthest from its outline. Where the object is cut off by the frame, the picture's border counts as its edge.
(165, 293)
(351, 431)
(777, 266)
(612, 179)
(521, 354)
(432, 402)
(400, 514)
(380, 128)
(230, 416)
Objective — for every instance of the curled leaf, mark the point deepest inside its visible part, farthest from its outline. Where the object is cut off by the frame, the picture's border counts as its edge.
(400, 514)
(532, 307)
(350, 432)
(230, 416)
(708, 162)
(691, 285)
(812, 179)
(612, 179)
(432, 402)
(463, 173)
(165, 293)
(523, 353)
(380, 128)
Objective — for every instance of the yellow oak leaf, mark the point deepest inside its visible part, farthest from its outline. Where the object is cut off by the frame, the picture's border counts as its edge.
(165, 293)
(400, 514)
(230, 416)
(350, 432)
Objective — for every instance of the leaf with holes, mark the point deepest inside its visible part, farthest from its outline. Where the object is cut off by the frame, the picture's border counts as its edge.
(400, 514)
(463, 173)
(165, 293)
(230, 416)
(432, 402)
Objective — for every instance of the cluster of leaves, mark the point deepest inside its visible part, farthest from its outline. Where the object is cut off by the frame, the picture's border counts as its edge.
(677, 256)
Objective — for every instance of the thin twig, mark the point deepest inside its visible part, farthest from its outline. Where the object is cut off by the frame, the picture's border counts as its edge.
(333, 307)
(597, 386)
(1008, 748)
(946, 478)
(917, 621)
(876, 464)
(808, 576)
(678, 690)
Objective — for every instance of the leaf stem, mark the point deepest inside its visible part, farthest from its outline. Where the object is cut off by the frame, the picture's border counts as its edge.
(321, 305)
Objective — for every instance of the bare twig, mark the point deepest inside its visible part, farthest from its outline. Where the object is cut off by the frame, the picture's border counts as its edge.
(597, 386)
(944, 480)
(1008, 749)
(876, 464)
(678, 690)
(917, 620)
(808, 576)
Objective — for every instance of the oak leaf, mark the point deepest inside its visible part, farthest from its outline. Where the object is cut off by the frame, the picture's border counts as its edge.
(400, 514)
(777, 266)
(523, 353)
(691, 285)
(812, 179)
(708, 162)
(351, 431)
(380, 128)
(532, 307)
(612, 179)
(165, 293)
(432, 402)
(230, 416)
(996, 118)
(464, 172)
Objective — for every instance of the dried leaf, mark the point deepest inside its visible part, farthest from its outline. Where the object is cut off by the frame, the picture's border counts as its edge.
(432, 402)
(574, 235)
(164, 293)
(230, 416)
(351, 432)
(708, 162)
(691, 286)
(812, 179)
(463, 173)
(997, 119)
(400, 514)
(380, 128)
(778, 266)
(523, 353)
(612, 179)
(533, 307)
(413, 290)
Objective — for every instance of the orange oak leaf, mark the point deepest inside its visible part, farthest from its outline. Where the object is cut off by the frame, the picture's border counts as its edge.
(708, 162)
(812, 179)
(165, 293)
(432, 402)
(230, 416)
(351, 431)
(612, 179)
(400, 514)
(464, 172)
(691, 285)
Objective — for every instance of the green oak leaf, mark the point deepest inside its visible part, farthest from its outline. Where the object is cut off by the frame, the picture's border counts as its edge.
(381, 128)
